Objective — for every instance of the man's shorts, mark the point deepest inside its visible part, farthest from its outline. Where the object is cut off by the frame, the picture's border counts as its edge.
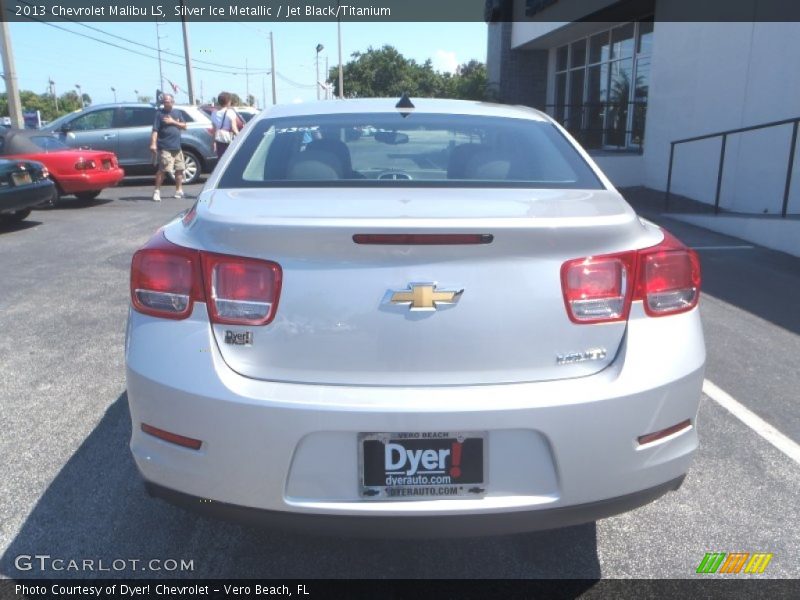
(170, 161)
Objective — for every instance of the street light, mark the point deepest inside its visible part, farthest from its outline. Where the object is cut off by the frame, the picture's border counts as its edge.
(320, 48)
(115, 94)
(80, 93)
(53, 89)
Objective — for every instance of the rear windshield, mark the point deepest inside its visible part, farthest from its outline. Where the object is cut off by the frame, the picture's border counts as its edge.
(48, 143)
(420, 149)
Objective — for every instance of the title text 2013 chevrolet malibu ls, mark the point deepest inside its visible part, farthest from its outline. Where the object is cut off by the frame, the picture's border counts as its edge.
(428, 317)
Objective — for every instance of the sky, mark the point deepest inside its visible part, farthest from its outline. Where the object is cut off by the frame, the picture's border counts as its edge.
(61, 52)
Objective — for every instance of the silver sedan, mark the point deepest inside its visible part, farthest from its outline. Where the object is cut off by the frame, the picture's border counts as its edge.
(454, 326)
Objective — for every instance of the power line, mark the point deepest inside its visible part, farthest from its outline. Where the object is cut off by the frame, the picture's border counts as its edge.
(113, 45)
(132, 51)
(294, 83)
(195, 60)
(180, 64)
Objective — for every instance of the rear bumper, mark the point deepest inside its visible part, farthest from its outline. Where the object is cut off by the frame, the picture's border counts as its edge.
(558, 452)
(97, 180)
(15, 199)
(417, 527)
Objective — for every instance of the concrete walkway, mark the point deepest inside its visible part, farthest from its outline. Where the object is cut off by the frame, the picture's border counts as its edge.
(770, 231)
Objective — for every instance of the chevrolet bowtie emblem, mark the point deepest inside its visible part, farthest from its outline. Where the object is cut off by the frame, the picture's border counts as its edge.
(425, 296)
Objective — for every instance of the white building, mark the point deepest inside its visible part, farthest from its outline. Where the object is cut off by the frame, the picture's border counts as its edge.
(631, 80)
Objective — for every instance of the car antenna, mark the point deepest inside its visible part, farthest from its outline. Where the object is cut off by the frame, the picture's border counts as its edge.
(405, 107)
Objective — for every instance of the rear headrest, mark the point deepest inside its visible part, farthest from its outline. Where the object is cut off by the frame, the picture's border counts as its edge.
(459, 158)
(484, 166)
(478, 161)
(336, 147)
(315, 165)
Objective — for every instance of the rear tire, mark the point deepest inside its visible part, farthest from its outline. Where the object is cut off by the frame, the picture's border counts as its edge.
(86, 196)
(15, 217)
(54, 199)
(192, 167)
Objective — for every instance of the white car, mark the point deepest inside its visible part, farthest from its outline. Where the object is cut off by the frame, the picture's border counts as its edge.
(456, 326)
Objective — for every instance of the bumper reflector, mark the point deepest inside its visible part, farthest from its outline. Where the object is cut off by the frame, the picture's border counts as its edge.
(173, 438)
(652, 437)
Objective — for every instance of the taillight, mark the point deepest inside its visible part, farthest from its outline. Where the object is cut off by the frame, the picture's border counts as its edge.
(83, 164)
(241, 291)
(167, 279)
(669, 278)
(600, 289)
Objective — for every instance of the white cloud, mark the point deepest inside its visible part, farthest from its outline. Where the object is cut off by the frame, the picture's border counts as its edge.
(445, 61)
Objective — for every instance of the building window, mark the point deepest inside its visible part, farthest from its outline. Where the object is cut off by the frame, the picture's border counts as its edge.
(601, 86)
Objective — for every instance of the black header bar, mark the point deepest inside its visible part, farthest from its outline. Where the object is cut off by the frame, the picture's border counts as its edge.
(393, 10)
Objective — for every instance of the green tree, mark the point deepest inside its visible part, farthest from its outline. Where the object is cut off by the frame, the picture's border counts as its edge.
(471, 81)
(235, 100)
(142, 98)
(251, 100)
(69, 102)
(387, 73)
(45, 103)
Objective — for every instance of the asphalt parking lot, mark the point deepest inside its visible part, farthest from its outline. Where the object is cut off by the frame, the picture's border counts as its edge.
(71, 491)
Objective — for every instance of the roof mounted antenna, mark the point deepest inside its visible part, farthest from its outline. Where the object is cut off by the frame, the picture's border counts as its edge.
(405, 107)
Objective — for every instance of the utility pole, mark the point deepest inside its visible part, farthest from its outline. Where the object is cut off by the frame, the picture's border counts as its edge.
(246, 83)
(341, 72)
(320, 47)
(160, 71)
(327, 73)
(272, 62)
(188, 58)
(12, 88)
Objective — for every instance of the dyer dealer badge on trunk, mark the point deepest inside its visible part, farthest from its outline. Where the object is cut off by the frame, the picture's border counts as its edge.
(422, 465)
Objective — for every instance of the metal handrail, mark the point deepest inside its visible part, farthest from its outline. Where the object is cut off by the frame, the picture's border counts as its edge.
(724, 134)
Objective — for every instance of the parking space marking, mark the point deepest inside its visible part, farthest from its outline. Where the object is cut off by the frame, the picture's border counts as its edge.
(753, 421)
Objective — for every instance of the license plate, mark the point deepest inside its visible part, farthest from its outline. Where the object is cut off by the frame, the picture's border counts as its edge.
(422, 465)
(23, 178)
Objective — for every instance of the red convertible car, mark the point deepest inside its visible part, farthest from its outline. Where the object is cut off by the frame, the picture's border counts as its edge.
(83, 173)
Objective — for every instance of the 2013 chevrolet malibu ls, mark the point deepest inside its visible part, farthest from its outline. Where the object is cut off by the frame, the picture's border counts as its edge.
(423, 317)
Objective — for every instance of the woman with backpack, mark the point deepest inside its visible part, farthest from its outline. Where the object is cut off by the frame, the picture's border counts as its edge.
(226, 123)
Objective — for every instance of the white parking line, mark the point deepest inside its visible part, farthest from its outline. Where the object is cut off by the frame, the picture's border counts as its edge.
(753, 421)
(722, 247)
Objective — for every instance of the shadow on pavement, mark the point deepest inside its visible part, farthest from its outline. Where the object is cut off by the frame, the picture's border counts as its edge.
(70, 203)
(96, 508)
(18, 225)
(763, 282)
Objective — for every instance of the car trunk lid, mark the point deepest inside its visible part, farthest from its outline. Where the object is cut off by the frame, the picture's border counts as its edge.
(336, 322)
